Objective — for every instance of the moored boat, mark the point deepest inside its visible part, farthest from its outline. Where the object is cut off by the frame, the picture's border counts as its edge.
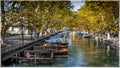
(86, 36)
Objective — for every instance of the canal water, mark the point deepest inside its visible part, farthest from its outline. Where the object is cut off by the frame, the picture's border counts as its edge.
(83, 52)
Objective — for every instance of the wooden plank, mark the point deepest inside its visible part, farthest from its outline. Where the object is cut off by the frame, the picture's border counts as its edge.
(59, 43)
(59, 47)
(44, 51)
(60, 56)
(52, 46)
(37, 51)
(25, 58)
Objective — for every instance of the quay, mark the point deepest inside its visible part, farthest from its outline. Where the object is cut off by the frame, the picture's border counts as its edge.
(8, 54)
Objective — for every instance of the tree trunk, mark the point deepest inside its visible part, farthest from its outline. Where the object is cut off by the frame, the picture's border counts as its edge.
(22, 35)
(108, 35)
(47, 20)
(2, 42)
(41, 32)
(30, 32)
(3, 33)
(31, 36)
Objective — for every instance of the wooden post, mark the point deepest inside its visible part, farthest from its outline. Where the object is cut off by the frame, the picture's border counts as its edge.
(35, 58)
(16, 58)
(51, 58)
(19, 55)
(56, 47)
(12, 60)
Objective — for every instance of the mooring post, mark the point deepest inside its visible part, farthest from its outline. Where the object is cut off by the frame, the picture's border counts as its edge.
(19, 55)
(12, 61)
(51, 58)
(35, 58)
(16, 59)
(56, 47)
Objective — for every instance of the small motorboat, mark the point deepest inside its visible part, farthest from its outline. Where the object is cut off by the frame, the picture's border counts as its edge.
(86, 36)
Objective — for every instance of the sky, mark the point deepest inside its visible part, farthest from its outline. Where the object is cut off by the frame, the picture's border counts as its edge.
(77, 4)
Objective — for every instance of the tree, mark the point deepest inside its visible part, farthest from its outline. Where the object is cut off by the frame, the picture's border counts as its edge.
(35, 15)
(99, 16)
(9, 16)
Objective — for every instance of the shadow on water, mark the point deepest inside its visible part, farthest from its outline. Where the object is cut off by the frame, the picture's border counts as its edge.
(85, 52)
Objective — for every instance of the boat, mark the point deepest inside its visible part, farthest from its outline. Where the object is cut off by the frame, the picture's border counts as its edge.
(86, 36)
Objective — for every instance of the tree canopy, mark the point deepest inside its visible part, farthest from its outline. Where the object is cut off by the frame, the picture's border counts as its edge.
(40, 15)
(99, 16)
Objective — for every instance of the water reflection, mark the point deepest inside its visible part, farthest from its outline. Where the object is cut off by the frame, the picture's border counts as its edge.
(85, 52)
(94, 53)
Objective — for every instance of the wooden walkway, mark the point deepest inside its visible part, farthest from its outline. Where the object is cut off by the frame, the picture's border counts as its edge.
(42, 54)
(53, 46)
(33, 58)
(36, 57)
(44, 51)
(14, 50)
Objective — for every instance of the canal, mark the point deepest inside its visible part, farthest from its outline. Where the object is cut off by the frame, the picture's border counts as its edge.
(83, 52)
